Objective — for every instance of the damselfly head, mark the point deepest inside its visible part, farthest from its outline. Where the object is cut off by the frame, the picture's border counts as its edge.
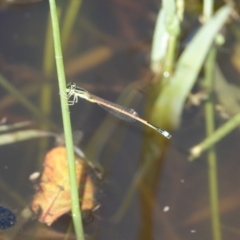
(71, 85)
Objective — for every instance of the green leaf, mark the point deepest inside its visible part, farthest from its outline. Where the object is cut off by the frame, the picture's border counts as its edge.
(174, 94)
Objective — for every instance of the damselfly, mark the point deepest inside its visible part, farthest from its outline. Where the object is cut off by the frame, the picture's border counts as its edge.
(119, 111)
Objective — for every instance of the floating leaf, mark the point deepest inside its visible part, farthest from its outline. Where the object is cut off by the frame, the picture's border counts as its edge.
(54, 197)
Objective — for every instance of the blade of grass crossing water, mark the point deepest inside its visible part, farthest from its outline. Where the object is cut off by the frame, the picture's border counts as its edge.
(76, 214)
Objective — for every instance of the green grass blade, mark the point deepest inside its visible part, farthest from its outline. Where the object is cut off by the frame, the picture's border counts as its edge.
(76, 214)
(165, 38)
(174, 94)
(13, 137)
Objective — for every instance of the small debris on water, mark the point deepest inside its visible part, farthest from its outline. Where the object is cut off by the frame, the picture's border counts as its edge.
(7, 218)
(166, 209)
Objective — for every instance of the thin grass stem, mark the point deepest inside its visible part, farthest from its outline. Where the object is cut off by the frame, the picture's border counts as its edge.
(211, 155)
(217, 136)
(76, 214)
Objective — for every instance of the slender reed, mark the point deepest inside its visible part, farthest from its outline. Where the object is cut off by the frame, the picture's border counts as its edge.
(211, 155)
(210, 127)
(76, 214)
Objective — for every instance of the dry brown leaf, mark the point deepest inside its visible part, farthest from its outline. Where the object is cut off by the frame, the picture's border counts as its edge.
(54, 198)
